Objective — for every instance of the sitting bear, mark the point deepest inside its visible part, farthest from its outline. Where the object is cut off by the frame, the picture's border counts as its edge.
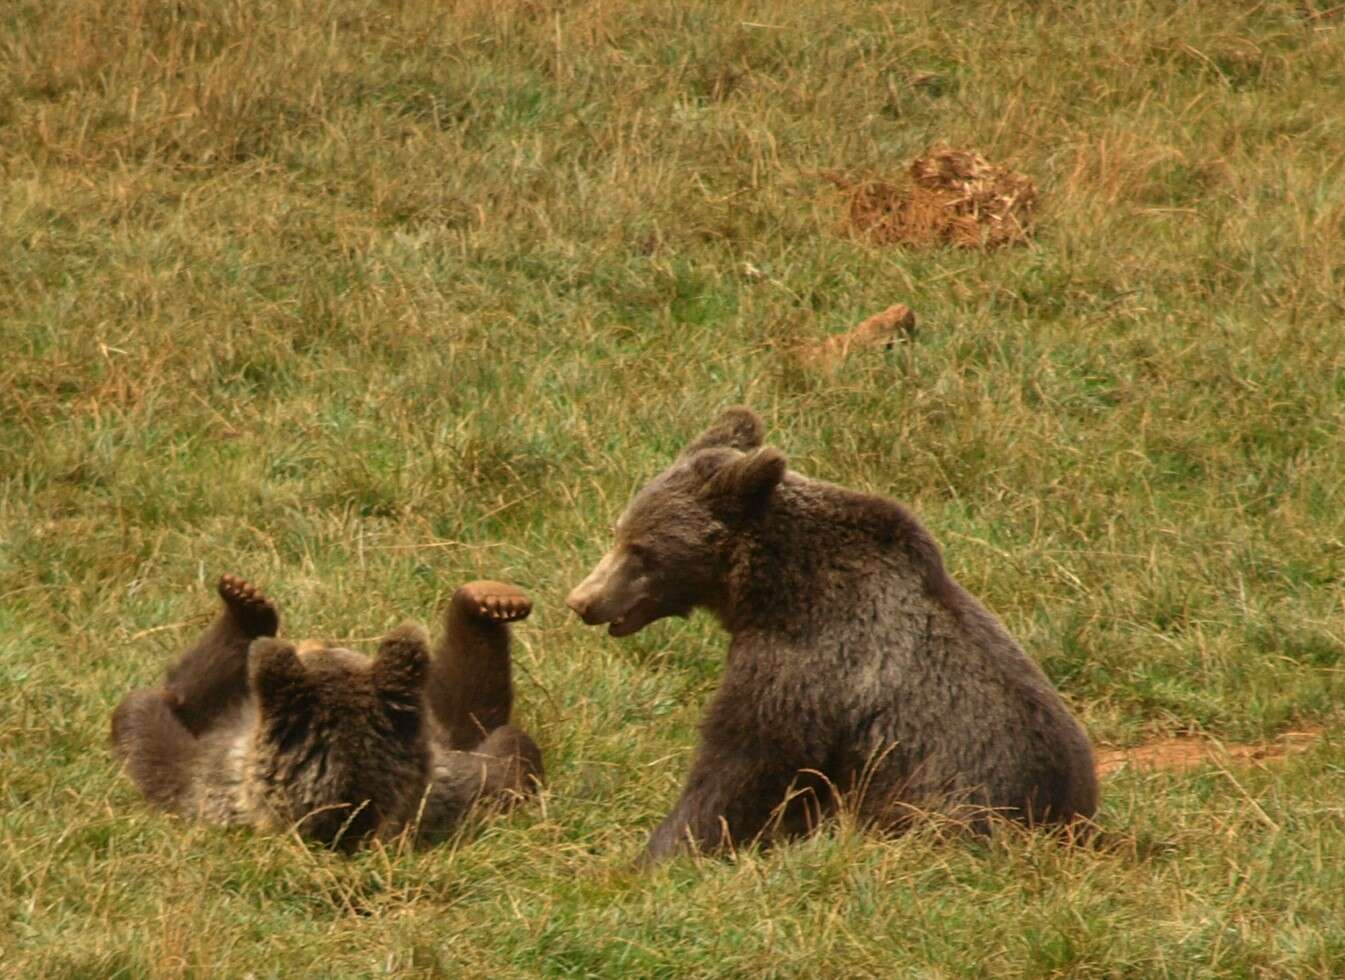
(249, 729)
(858, 670)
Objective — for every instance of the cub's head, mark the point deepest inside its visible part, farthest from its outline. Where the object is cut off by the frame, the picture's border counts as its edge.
(672, 543)
(340, 750)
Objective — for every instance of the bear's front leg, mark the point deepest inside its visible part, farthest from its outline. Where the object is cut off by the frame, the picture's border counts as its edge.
(734, 797)
(210, 678)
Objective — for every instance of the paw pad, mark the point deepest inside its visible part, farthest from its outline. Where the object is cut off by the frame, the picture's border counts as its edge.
(495, 601)
(254, 612)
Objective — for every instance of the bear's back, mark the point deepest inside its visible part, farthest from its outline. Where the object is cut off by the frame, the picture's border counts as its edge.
(903, 665)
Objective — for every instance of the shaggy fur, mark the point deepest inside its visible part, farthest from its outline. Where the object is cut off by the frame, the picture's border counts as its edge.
(249, 729)
(858, 670)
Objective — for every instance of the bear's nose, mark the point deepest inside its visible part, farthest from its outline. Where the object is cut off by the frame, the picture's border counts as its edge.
(577, 601)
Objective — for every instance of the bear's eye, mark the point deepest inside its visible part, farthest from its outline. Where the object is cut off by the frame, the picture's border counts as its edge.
(640, 553)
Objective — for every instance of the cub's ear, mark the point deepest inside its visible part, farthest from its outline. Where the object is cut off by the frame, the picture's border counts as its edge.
(402, 661)
(736, 428)
(745, 482)
(399, 671)
(277, 677)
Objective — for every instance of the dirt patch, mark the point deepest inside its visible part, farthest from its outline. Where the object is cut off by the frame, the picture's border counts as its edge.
(878, 332)
(1177, 754)
(950, 197)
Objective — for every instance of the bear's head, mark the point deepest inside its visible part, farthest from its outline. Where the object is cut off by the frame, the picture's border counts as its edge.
(340, 750)
(673, 540)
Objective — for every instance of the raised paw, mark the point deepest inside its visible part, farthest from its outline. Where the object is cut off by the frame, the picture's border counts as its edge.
(493, 601)
(255, 614)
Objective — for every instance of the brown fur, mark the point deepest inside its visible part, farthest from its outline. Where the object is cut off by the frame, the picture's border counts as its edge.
(341, 747)
(856, 663)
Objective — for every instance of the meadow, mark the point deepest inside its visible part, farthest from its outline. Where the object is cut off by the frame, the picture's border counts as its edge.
(364, 300)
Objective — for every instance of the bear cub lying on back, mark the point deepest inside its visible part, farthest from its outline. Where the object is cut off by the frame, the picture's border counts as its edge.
(856, 666)
(249, 729)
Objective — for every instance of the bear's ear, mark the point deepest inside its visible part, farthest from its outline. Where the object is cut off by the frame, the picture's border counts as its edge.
(745, 482)
(402, 661)
(398, 673)
(736, 428)
(278, 678)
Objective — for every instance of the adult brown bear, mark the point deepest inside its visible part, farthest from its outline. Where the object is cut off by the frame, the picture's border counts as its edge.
(248, 729)
(857, 666)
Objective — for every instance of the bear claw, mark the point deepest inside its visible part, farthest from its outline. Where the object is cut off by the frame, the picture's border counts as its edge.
(494, 601)
(249, 606)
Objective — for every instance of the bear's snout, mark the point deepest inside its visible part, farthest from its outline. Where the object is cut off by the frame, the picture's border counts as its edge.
(587, 597)
(580, 603)
(589, 604)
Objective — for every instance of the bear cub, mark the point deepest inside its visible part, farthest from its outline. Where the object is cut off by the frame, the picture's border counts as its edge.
(858, 670)
(250, 729)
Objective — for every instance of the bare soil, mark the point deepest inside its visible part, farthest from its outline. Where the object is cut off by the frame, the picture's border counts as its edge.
(878, 332)
(1188, 752)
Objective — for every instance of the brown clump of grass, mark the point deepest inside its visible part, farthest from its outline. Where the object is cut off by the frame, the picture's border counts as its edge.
(950, 197)
(878, 332)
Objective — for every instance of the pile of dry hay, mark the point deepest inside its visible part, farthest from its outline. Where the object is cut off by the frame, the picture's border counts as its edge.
(952, 197)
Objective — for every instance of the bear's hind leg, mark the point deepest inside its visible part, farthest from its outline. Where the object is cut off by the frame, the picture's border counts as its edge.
(518, 762)
(155, 747)
(501, 770)
(211, 676)
(470, 689)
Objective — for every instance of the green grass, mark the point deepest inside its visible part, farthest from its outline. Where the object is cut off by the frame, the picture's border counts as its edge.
(363, 300)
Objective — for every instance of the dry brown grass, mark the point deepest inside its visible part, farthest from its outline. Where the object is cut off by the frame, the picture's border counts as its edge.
(950, 197)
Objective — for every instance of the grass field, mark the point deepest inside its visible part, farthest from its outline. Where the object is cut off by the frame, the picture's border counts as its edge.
(363, 300)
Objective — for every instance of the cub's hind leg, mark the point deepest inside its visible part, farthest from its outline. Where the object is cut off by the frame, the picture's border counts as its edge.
(155, 747)
(470, 688)
(211, 676)
(514, 763)
(502, 769)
